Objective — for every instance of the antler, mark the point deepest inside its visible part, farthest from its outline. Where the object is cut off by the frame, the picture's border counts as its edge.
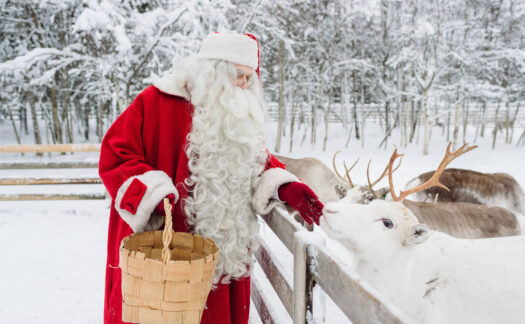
(434, 180)
(347, 179)
(370, 184)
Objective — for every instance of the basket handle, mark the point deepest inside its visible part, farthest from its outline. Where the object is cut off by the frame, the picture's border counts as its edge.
(167, 234)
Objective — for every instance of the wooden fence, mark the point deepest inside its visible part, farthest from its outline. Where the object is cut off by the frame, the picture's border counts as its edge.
(23, 179)
(313, 263)
(45, 148)
(374, 113)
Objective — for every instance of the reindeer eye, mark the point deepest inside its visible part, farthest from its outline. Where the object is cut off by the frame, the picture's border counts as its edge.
(369, 197)
(387, 222)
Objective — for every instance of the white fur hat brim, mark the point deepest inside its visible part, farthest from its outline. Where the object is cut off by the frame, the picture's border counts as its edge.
(235, 48)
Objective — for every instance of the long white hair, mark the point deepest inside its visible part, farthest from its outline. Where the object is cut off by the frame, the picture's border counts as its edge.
(226, 152)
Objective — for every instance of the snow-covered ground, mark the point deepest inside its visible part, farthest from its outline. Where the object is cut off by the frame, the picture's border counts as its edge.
(53, 252)
(53, 261)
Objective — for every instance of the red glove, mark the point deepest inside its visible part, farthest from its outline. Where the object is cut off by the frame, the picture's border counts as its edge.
(302, 199)
(159, 210)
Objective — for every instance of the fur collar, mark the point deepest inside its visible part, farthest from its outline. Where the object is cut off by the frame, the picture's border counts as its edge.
(167, 84)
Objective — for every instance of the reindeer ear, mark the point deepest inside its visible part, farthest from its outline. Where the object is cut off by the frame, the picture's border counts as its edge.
(416, 235)
(382, 193)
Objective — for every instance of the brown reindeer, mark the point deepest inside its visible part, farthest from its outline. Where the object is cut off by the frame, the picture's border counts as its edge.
(466, 220)
(322, 180)
(317, 176)
(491, 189)
(463, 220)
(330, 186)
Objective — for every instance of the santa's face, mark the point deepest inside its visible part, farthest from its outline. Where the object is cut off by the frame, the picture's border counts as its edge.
(244, 73)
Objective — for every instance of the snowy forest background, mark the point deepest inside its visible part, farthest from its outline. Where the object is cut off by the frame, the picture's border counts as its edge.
(69, 67)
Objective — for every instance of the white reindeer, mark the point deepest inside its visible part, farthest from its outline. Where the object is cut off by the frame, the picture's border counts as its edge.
(431, 276)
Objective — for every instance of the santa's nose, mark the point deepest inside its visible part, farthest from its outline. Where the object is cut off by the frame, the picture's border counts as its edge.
(242, 83)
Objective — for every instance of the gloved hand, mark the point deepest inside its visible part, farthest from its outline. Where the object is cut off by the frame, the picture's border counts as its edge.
(159, 210)
(302, 199)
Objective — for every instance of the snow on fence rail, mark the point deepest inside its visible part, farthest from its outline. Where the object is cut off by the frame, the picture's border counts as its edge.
(17, 183)
(49, 148)
(87, 196)
(314, 263)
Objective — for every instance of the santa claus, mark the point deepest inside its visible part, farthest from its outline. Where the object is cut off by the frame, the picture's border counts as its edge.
(197, 136)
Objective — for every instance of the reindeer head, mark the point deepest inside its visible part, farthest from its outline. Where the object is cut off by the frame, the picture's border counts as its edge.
(374, 231)
(378, 229)
(358, 193)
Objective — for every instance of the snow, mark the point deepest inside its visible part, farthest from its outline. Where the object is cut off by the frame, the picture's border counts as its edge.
(124, 44)
(50, 173)
(54, 252)
(274, 305)
(53, 261)
(91, 19)
(53, 189)
(21, 62)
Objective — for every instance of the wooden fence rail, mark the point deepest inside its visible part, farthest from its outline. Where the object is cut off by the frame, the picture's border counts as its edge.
(48, 165)
(46, 148)
(42, 181)
(87, 196)
(27, 180)
(314, 263)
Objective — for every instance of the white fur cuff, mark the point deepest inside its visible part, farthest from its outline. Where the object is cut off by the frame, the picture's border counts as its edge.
(158, 185)
(266, 186)
(171, 85)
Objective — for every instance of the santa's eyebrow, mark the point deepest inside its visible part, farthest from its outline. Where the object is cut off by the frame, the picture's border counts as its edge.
(241, 73)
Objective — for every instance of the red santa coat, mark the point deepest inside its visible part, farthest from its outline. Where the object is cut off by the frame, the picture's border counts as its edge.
(142, 160)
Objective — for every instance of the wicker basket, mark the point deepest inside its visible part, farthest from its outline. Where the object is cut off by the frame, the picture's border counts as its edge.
(166, 276)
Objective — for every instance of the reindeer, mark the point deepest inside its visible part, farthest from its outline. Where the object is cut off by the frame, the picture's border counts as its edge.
(462, 220)
(431, 276)
(327, 185)
(317, 176)
(491, 189)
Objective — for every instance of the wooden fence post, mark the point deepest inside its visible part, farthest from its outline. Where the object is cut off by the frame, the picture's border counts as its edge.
(299, 279)
(304, 263)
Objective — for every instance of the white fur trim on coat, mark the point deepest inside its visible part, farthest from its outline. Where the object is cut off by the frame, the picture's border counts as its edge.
(266, 187)
(170, 85)
(158, 185)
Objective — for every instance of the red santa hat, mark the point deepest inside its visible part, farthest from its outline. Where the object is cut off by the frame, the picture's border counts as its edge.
(236, 48)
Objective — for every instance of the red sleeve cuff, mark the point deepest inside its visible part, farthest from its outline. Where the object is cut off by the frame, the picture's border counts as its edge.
(133, 196)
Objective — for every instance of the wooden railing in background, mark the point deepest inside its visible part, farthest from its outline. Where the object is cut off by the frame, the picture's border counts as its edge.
(48, 148)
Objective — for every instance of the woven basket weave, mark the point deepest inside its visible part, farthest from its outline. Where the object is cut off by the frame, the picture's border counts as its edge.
(166, 275)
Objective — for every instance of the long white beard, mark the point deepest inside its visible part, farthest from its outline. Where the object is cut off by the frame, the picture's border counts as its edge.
(226, 153)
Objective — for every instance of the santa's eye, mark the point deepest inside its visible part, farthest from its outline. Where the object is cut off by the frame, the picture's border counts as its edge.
(387, 222)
